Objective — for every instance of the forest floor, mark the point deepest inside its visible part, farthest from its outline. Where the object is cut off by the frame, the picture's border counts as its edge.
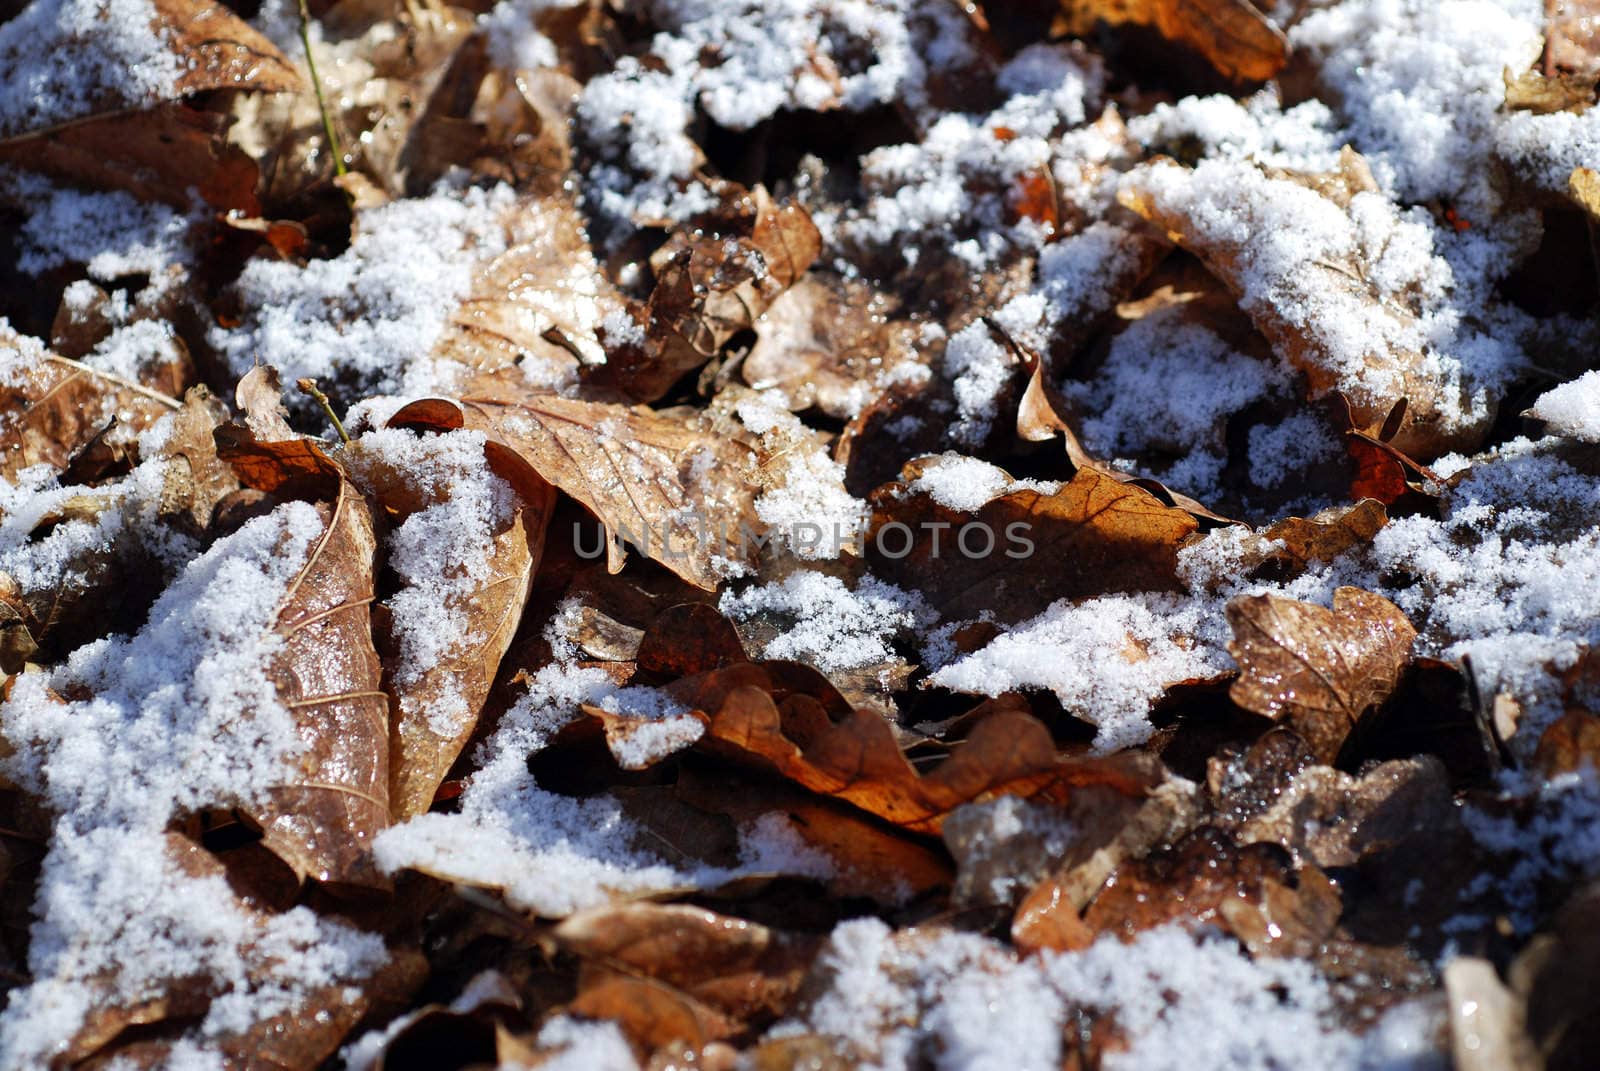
(781, 534)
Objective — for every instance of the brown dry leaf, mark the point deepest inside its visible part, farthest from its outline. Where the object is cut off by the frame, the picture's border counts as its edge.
(1533, 92)
(419, 754)
(831, 343)
(741, 968)
(651, 1014)
(752, 715)
(1333, 819)
(378, 64)
(712, 281)
(327, 671)
(1094, 535)
(132, 1034)
(1328, 533)
(1049, 915)
(683, 496)
(1307, 323)
(1321, 669)
(259, 396)
(1190, 882)
(541, 303)
(870, 860)
(196, 478)
(156, 155)
(1233, 35)
(52, 407)
(1043, 413)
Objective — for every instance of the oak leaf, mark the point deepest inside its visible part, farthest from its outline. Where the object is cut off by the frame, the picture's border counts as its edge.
(680, 494)
(420, 755)
(1317, 668)
(741, 968)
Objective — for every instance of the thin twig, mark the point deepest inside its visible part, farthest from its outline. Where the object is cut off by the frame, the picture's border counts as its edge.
(309, 386)
(316, 84)
(127, 384)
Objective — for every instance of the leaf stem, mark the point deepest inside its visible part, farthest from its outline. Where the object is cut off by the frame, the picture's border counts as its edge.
(309, 386)
(322, 103)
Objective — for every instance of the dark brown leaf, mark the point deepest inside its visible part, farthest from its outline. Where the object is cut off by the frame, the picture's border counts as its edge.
(741, 968)
(1094, 535)
(1320, 669)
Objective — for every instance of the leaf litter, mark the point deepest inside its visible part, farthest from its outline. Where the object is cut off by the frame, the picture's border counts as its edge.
(875, 533)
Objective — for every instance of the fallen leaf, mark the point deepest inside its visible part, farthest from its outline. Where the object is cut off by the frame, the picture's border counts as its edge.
(131, 1034)
(712, 281)
(213, 49)
(1094, 535)
(681, 495)
(1049, 916)
(753, 714)
(1043, 413)
(870, 859)
(50, 407)
(542, 304)
(1237, 39)
(1303, 301)
(651, 1014)
(1332, 819)
(1189, 882)
(1326, 534)
(419, 754)
(1534, 92)
(743, 969)
(1320, 669)
(326, 672)
(832, 342)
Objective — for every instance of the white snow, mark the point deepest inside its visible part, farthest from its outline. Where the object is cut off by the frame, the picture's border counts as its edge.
(834, 627)
(1573, 408)
(367, 320)
(179, 717)
(1182, 999)
(65, 59)
(442, 554)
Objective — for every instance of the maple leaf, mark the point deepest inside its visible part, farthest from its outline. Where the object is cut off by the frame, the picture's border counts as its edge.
(1321, 669)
